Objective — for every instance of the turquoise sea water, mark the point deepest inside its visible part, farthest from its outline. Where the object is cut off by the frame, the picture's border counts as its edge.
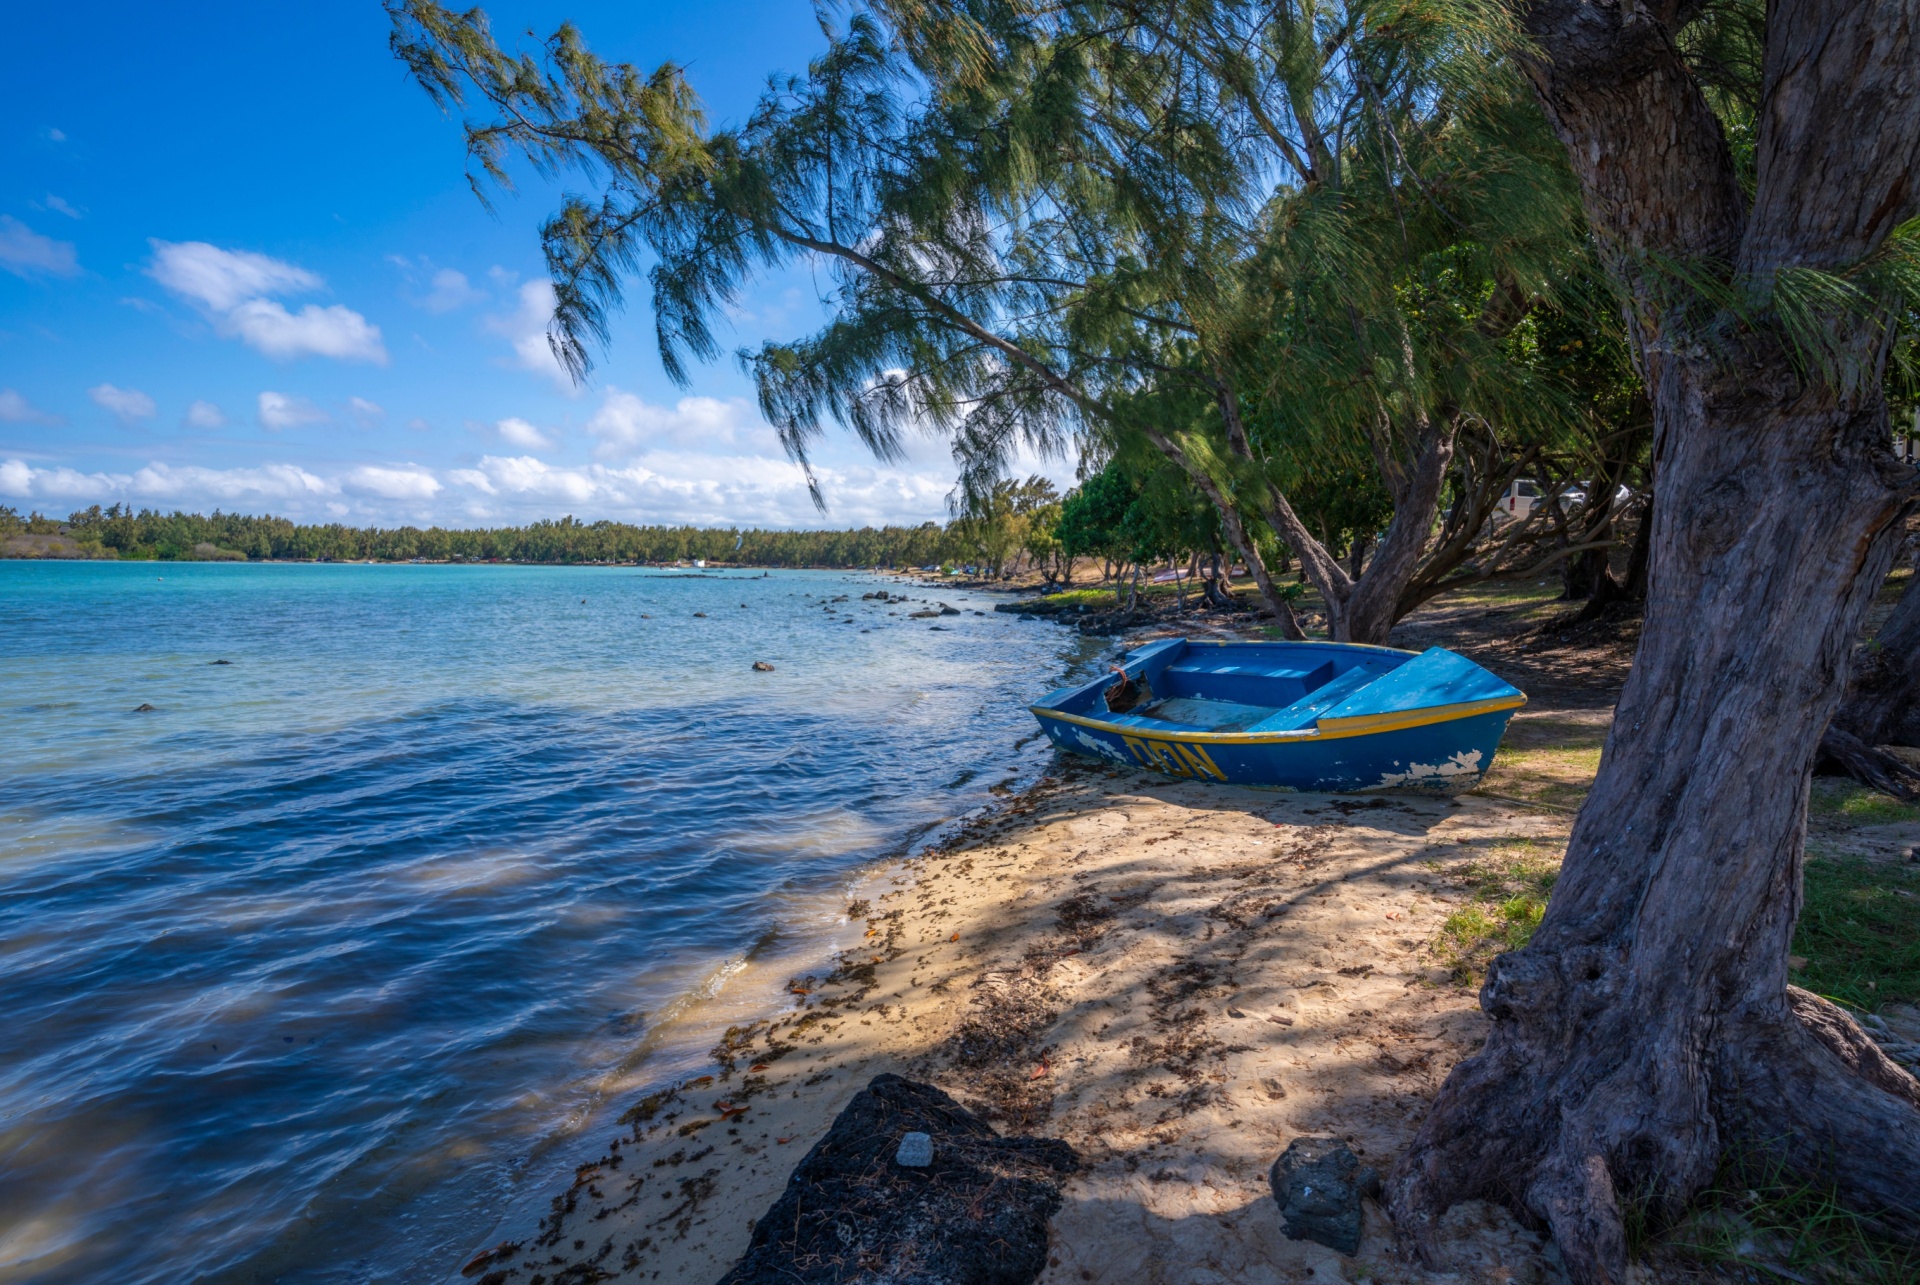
(309, 971)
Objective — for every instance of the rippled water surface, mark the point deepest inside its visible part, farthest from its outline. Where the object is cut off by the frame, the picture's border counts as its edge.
(311, 969)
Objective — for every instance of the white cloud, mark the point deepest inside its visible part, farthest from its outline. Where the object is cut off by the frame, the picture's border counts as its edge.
(268, 482)
(717, 490)
(512, 488)
(59, 206)
(56, 135)
(526, 329)
(224, 279)
(25, 253)
(204, 415)
(335, 331)
(407, 482)
(474, 478)
(127, 404)
(15, 409)
(195, 486)
(280, 410)
(365, 413)
(450, 291)
(435, 289)
(286, 488)
(627, 424)
(518, 432)
(234, 287)
(525, 475)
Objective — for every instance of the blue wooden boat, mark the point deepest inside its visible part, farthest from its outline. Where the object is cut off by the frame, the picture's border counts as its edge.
(1299, 716)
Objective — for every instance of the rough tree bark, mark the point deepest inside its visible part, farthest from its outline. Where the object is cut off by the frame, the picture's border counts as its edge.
(1649, 1027)
(1361, 608)
(1882, 705)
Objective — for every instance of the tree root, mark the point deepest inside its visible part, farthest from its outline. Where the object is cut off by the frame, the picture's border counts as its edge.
(1544, 1121)
(1869, 765)
(1818, 1094)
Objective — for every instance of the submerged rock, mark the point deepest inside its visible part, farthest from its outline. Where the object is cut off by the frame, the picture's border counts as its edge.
(1318, 1183)
(763, 667)
(850, 1213)
(143, 709)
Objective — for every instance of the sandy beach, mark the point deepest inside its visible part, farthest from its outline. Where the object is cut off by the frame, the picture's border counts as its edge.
(1175, 979)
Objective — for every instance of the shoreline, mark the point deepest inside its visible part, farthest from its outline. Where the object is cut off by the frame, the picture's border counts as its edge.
(1176, 979)
(738, 989)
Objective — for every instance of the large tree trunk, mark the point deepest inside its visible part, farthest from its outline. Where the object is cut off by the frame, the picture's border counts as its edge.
(1365, 609)
(1649, 1028)
(1372, 604)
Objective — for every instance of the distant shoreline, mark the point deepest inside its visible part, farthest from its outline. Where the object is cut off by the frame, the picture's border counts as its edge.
(68, 550)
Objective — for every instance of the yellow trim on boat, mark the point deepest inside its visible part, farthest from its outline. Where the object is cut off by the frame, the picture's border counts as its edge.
(1326, 729)
(1361, 724)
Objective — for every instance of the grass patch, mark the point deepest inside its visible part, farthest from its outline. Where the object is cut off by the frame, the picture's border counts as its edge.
(1846, 800)
(1761, 1228)
(1504, 593)
(1860, 932)
(1507, 894)
(1083, 598)
(1547, 760)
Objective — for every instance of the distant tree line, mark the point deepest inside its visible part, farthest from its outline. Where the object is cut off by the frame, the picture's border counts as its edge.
(150, 534)
(1135, 513)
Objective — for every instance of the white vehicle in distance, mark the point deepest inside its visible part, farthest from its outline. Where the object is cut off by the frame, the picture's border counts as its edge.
(1520, 497)
(1517, 502)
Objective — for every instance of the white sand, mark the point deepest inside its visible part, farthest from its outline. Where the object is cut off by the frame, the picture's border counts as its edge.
(1175, 978)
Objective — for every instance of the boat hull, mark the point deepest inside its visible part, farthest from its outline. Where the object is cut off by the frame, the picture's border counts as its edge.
(1440, 758)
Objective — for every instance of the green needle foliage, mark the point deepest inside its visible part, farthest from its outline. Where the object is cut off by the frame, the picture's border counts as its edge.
(1283, 246)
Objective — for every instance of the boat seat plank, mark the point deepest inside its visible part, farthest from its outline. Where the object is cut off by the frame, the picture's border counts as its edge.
(1309, 709)
(1434, 677)
(1276, 669)
(1263, 680)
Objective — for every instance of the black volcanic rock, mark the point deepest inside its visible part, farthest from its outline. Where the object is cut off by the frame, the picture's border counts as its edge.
(853, 1215)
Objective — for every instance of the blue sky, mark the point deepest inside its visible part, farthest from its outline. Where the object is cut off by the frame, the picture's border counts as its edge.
(240, 267)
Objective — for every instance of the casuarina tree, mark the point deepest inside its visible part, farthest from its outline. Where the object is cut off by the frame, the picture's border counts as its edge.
(1253, 236)
(1648, 1032)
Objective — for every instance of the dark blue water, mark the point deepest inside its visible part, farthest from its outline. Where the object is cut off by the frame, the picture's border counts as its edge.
(312, 969)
